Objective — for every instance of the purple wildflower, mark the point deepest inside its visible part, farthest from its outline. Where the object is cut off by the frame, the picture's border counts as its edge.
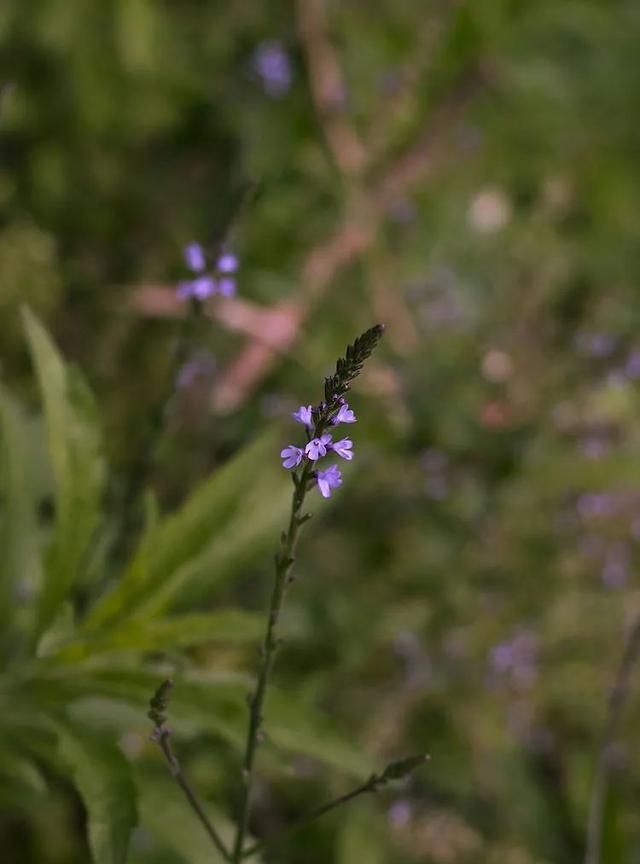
(343, 448)
(329, 480)
(219, 280)
(304, 415)
(317, 447)
(344, 415)
(271, 62)
(194, 256)
(291, 456)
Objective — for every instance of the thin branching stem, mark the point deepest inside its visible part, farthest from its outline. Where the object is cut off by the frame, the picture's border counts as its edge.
(163, 737)
(369, 786)
(617, 699)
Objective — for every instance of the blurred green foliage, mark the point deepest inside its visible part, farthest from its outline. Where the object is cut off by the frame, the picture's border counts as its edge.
(466, 172)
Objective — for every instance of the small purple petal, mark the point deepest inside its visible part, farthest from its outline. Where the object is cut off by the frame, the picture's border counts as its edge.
(329, 480)
(315, 449)
(344, 415)
(203, 287)
(194, 256)
(291, 456)
(227, 263)
(184, 290)
(273, 66)
(304, 415)
(343, 448)
(326, 439)
(227, 286)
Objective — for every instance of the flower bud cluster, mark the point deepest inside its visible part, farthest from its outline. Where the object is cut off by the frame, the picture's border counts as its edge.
(320, 445)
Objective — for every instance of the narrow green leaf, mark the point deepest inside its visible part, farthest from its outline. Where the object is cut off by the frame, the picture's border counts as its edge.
(21, 783)
(78, 468)
(215, 703)
(20, 562)
(167, 634)
(60, 632)
(103, 778)
(614, 848)
(221, 525)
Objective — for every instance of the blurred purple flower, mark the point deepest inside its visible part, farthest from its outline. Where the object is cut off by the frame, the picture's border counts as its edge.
(596, 504)
(400, 813)
(632, 367)
(206, 284)
(594, 447)
(516, 659)
(615, 572)
(271, 62)
(201, 365)
(595, 344)
(329, 480)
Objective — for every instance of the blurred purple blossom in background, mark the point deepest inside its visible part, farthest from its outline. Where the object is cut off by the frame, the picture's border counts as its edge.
(400, 813)
(201, 365)
(593, 344)
(204, 285)
(615, 572)
(515, 660)
(273, 67)
(632, 367)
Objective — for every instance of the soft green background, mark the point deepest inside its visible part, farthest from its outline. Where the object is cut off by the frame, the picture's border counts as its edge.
(466, 172)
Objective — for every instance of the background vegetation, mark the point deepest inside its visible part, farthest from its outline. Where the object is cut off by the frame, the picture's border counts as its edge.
(467, 173)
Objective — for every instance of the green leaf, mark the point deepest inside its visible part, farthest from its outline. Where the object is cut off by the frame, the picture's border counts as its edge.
(103, 778)
(60, 632)
(20, 562)
(78, 469)
(221, 527)
(216, 703)
(614, 849)
(294, 725)
(167, 634)
(21, 783)
(360, 839)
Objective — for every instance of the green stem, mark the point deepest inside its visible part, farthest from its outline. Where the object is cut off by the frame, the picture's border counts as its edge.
(283, 561)
(618, 696)
(176, 772)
